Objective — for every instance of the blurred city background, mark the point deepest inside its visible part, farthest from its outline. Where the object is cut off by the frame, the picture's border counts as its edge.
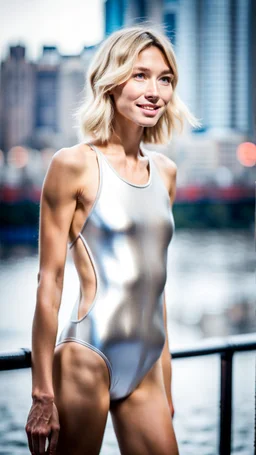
(45, 51)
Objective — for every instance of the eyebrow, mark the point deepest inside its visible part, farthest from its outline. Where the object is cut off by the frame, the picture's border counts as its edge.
(143, 68)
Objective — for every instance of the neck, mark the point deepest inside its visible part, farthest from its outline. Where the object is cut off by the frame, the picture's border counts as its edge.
(126, 138)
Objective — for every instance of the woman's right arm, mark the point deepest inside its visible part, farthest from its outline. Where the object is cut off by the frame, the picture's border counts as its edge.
(58, 203)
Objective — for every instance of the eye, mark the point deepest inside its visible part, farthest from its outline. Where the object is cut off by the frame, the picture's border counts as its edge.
(168, 79)
(139, 74)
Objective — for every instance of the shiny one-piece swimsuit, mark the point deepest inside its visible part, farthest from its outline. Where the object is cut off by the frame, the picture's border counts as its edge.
(126, 235)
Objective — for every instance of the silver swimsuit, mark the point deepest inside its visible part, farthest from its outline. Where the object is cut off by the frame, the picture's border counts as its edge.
(126, 236)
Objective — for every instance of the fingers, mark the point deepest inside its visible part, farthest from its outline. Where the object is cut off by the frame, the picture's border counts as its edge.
(30, 444)
(53, 441)
(42, 423)
(33, 440)
(35, 443)
(42, 441)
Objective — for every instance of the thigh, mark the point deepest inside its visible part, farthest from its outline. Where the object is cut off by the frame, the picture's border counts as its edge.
(142, 421)
(81, 389)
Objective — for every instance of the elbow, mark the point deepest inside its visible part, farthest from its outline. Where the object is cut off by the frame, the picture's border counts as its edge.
(50, 280)
(49, 292)
(56, 275)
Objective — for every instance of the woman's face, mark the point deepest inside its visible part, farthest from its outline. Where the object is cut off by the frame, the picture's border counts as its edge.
(144, 97)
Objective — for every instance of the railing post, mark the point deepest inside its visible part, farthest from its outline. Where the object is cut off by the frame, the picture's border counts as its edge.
(226, 402)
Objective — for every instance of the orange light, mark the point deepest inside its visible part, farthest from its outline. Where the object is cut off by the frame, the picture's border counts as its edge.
(18, 156)
(246, 154)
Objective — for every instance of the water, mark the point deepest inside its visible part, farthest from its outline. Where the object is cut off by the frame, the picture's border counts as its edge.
(208, 273)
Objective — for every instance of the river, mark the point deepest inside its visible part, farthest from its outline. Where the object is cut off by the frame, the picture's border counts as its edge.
(210, 274)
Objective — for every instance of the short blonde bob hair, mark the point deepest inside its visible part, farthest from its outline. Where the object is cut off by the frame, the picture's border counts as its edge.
(112, 65)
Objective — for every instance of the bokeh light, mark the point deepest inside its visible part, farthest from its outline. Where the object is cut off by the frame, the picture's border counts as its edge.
(246, 154)
(18, 157)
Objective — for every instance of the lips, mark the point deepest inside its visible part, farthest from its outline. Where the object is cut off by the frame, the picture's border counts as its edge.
(148, 110)
(149, 107)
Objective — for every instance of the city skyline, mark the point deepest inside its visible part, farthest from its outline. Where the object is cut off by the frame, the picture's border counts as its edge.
(213, 51)
(87, 16)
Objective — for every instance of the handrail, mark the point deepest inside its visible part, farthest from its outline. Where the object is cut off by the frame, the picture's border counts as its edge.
(235, 343)
(226, 347)
(15, 360)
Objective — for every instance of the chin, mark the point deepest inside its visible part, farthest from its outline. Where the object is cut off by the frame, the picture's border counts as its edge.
(149, 123)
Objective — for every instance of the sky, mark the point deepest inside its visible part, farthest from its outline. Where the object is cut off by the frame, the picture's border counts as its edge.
(69, 24)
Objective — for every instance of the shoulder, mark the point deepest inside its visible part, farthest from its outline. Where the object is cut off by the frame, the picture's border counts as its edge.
(165, 163)
(68, 170)
(70, 163)
(72, 159)
(167, 167)
(168, 170)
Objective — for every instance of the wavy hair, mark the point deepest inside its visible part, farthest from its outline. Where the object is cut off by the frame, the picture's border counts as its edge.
(112, 65)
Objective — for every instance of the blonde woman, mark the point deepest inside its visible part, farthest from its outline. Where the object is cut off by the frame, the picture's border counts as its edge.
(113, 203)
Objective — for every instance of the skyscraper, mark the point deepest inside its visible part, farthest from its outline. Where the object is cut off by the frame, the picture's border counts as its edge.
(128, 12)
(114, 15)
(17, 98)
(71, 84)
(47, 80)
(214, 51)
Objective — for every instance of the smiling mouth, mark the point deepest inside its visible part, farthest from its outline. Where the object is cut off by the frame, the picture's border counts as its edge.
(148, 108)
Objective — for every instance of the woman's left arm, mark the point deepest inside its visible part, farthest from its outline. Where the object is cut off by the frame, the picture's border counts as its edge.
(167, 364)
(170, 174)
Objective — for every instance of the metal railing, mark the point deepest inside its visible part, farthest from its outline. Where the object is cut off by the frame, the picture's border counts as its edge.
(226, 347)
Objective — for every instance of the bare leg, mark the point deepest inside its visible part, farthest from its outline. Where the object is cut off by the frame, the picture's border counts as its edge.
(142, 421)
(81, 386)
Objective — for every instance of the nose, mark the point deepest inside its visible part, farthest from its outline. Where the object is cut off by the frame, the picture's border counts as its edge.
(152, 91)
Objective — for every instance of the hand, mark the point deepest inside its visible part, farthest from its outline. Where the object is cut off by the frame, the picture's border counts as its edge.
(43, 423)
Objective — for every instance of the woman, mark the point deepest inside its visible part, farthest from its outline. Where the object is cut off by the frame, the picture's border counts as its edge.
(113, 354)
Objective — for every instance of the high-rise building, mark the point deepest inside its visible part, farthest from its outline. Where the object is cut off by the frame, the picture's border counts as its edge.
(1, 113)
(129, 12)
(214, 52)
(87, 54)
(144, 10)
(17, 98)
(47, 91)
(170, 17)
(114, 15)
(71, 84)
(252, 43)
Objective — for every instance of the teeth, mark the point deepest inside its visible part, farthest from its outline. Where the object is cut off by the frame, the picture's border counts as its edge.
(149, 108)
